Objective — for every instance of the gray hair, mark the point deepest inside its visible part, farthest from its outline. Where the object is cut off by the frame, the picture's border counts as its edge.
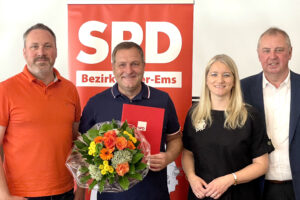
(275, 31)
(35, 27)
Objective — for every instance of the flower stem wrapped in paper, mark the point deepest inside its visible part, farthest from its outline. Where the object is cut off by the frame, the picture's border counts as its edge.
(110, 157)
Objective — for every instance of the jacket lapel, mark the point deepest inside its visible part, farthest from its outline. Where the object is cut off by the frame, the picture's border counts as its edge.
(295, 105)
(259, 95)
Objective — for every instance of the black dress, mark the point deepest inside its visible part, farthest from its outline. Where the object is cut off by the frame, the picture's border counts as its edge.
(218, 151)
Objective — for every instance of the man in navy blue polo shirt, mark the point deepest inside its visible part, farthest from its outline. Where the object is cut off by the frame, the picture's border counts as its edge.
(128, 67)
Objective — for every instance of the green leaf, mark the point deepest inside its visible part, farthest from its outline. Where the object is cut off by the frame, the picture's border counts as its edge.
(101, 132)
(132, 151)
(85, 179)
(82, 152)
(93, 133)
(99, 146)
(88, 156)
(129, 130)
(137, 143)
(79, 144)
(124, 125)
(90, 161)
(124, 182)
(114, 124)
(140, 166)
(137, 157)
(92, 185)
(111, 180)
(98, 162)
(101, 184)
(132, 169)
(86, 139)
(85, 149)
(83, 169)
(136, 176)
(126, 136)
(106, 127)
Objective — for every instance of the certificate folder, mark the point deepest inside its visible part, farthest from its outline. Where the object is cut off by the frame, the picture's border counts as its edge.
(148, 120)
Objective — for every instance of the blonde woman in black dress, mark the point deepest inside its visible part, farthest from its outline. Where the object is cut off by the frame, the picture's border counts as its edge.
(225, 142)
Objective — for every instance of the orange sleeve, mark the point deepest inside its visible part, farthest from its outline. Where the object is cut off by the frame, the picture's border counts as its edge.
(77, 106)
(4, 107)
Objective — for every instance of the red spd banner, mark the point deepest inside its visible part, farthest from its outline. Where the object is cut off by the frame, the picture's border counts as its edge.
(164, 31)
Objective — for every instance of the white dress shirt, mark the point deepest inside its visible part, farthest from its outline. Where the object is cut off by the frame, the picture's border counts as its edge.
(277, 103)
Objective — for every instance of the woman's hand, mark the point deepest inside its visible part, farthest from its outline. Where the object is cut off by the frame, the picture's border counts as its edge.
(218, 186)
(198, 186)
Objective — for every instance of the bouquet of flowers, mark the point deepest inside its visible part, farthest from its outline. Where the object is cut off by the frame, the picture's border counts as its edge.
(110, 157)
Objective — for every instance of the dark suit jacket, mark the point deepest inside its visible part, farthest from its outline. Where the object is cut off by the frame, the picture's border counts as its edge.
(253, 95)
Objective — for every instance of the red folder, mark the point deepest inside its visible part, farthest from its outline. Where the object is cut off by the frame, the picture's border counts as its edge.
(148, 120)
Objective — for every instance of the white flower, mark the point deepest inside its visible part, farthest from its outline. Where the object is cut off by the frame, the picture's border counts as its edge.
(200, 125)
(95, 172)
(121, 157)
(117, 131)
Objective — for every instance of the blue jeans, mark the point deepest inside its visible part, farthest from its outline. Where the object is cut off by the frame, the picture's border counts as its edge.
(65, 196)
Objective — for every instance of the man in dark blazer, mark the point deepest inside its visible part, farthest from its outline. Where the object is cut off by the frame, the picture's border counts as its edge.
(275, 92)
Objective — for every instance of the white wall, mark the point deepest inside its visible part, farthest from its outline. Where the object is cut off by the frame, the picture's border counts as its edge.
(221, 26)
(234, 26)
(16, 16)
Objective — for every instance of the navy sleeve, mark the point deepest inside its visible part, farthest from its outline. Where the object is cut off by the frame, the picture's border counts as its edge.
(87, 118)
(171, 117)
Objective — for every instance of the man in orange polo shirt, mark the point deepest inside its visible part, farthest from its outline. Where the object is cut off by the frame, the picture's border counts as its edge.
(39, 115)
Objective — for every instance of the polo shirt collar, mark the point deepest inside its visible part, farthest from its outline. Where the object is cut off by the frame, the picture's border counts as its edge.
(31, 78)
(144, 94)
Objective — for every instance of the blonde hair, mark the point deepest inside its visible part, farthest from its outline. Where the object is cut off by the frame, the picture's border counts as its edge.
(235, 113)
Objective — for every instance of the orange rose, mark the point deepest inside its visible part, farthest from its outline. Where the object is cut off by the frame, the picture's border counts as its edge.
(110, 133)
(130, 145)
(106, 154)
(121, 143)
(122, 168)
(109, 141)
(98, 139)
